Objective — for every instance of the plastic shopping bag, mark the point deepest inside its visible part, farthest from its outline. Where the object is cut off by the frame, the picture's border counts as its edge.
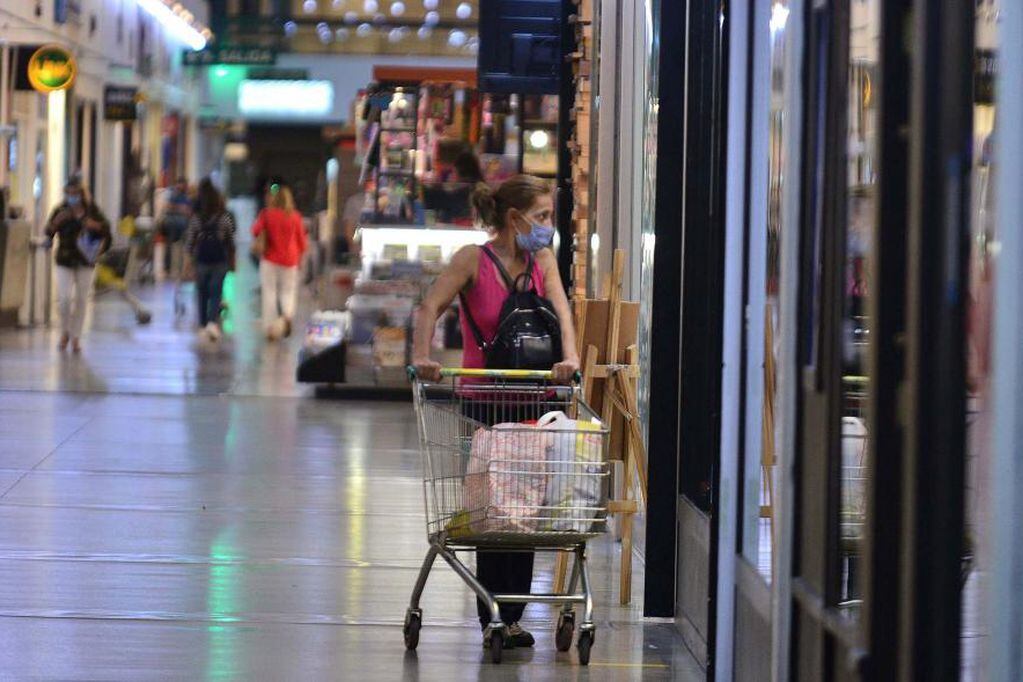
(577, 478)
(506, 480)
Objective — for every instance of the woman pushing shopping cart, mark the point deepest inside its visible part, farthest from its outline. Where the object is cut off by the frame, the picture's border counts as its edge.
(512, 465)
(491, 474)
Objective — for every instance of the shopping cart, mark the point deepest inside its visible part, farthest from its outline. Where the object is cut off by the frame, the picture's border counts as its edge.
(492, 481)
(855, 476)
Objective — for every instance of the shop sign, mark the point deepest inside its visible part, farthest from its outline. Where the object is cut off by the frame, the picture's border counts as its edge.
(120, 103)
(51, 68)
(241, 56)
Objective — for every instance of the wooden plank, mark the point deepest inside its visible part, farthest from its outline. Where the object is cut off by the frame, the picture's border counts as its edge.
(625, 577)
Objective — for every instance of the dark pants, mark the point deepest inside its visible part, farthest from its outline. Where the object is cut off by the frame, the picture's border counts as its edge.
(502, 572)
(209, 286)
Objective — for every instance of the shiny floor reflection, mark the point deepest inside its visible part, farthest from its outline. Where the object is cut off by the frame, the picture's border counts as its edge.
(216, 537)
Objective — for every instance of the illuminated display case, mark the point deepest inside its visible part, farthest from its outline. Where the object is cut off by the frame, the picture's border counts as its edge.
(398, 265)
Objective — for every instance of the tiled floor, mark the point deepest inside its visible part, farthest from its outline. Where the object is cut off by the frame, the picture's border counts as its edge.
(170, 510)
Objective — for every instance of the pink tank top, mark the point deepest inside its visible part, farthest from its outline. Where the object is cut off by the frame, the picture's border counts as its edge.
(485, 299)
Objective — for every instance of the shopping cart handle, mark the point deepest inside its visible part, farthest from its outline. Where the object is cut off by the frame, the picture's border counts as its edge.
(536, 375)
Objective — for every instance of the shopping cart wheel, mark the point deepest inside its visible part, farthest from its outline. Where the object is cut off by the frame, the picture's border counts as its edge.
(496, 646)
(413, 623)
(585, 642)
(565, 632)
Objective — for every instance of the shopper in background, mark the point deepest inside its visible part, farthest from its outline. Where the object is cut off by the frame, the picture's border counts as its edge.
(280, 240)
(467, 169)
(519, 215)
(174, 223)
(83, 235)
(210, 247)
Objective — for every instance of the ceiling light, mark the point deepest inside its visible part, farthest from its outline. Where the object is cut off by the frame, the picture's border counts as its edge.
(175, 24)
(309, 6)
(351, 17)
(429, 4)
(425, 32)
(371, 6)
(397, 9)
(290, 28)
(539, 139)
(464, 11)
(457, 38)
(341, 34)
(431, 18)
(364, 30)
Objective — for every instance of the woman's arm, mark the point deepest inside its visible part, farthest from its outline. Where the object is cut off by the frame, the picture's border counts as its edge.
(98, 223)
(569, 365)
(57, 218)
(260, 223)
(456, 277)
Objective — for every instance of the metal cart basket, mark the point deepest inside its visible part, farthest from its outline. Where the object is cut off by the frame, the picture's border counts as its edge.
(511, 462)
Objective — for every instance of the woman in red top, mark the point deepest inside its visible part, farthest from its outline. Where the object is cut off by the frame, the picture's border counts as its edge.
(519, 216)
(278, 271)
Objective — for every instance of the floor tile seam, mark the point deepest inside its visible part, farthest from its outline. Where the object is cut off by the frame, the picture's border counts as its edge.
(402, 479)
(535, 624)
(156, 509)
(48, 455)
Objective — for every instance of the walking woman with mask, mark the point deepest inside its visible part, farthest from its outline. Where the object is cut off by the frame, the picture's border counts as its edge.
(83, 235)
(519, 217)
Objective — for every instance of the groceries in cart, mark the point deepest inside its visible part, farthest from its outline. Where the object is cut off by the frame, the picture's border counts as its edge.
(525, 477)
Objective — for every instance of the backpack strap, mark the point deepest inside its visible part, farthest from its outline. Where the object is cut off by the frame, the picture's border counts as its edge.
(473, 327)
(511, 284)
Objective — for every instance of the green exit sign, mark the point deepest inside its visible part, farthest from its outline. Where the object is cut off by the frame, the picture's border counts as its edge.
(247, 56)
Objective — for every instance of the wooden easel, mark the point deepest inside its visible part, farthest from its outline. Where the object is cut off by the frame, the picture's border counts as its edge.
(618, 375)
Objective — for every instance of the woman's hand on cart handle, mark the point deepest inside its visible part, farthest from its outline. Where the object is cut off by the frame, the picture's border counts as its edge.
(426, 369)
(566, 371)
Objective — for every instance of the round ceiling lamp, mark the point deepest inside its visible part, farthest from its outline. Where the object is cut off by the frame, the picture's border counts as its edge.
(431, 19)
(397, 9)
(457, 38)
(309, 6)
(371, 6)
(364, 30)
(430, 4)
(463, 11)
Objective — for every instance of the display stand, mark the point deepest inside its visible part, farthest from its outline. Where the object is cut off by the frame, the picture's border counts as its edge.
(609, 386)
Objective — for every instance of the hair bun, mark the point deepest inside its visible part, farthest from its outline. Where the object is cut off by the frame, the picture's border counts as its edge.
(485, 204)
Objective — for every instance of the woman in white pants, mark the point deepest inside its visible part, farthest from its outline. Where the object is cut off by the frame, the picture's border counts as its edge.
(83, 235)
(281, 240)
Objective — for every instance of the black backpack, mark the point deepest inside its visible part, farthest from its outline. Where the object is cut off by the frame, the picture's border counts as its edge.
(528, 332)
(210, 248)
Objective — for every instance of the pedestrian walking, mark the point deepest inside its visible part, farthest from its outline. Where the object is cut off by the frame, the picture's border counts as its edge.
(82, 235)
(280, 242)
(210, 246)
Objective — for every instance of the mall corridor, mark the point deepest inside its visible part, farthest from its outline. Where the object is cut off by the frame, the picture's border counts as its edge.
(223, 534)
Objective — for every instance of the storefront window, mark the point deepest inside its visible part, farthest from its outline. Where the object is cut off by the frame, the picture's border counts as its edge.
(759, 486)
(978, 344)
(861, 147)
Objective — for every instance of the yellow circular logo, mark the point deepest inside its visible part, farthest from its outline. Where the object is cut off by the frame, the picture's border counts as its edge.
(52, 68)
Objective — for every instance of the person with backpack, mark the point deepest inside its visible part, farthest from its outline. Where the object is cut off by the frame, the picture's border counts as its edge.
(515, 315)
(83, 234)
(209, 243)
(279, 241)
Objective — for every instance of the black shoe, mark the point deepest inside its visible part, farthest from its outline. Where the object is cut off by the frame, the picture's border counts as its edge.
(508, 642)
(519, 637)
